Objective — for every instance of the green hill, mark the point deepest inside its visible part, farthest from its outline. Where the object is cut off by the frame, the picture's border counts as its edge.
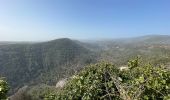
(24, 64)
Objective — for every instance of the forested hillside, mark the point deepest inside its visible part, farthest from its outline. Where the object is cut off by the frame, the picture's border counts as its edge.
(24, 64)
(154, 48)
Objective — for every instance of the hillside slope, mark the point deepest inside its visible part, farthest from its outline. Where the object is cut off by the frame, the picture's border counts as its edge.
(155, 48)
(24, 64)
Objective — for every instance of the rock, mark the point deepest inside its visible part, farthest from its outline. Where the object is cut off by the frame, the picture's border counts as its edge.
(61, 83)
(123, 68)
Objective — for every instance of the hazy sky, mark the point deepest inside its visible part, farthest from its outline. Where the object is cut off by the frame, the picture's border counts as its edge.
(82, 19)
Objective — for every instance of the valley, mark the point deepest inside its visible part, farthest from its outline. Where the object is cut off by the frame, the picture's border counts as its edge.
(37, 67)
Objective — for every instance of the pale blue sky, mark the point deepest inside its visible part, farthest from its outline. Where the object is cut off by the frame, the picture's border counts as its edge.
(34, 20)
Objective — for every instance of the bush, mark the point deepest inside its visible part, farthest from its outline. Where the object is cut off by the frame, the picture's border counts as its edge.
(3, 89)
(104, 81)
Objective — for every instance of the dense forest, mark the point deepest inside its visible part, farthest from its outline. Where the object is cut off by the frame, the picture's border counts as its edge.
(33, 69)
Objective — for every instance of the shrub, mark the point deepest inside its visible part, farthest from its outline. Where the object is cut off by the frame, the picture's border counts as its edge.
(104, 81)
(3, 89)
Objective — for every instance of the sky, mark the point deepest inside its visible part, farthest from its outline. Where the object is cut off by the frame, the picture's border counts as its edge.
(39, 20)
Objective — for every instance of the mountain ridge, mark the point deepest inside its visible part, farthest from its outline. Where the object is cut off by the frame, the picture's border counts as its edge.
(34, 63)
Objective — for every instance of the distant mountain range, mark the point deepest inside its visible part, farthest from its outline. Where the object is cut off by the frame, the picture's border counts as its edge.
(150, 39)
(25, 63)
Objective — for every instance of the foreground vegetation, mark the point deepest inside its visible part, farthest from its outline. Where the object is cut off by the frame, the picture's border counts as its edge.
(105, 81)
(3, 89)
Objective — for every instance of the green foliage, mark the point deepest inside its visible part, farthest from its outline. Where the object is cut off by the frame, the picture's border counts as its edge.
(36, 92)
(94, 82)
(3, 89)
(50, 96)
(147, 82)
(104, 81)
